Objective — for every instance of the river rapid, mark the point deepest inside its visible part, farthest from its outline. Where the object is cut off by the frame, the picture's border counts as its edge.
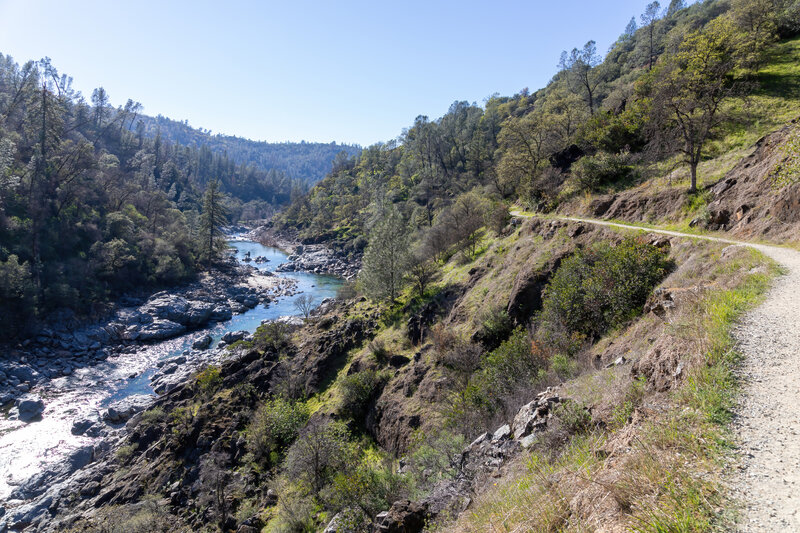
(27, 450)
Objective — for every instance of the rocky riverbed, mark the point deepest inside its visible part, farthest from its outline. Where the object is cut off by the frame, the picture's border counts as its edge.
(58, 350)
(308, 257)
(70, 391)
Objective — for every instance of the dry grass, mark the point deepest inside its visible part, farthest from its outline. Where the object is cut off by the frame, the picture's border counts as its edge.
(655, 462)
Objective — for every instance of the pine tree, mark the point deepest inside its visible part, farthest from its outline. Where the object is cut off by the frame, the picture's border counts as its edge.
(212, 220)
(386, 258)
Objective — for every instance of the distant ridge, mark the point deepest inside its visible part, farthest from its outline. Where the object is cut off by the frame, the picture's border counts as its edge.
(307, 162)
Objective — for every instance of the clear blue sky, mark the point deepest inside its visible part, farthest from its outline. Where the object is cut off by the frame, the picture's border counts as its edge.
(298, 70)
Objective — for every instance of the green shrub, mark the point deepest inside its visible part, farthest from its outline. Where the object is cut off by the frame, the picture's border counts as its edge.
(209, 380)
(573, 417)
(274, 427)
(633, 399)
(372, 485)
(496, 326)
(356, 392)
(124, 453)
(431, 457)
(502, 384)
(563, 366)
(602, 169)
(598, 289)
(153, 416)
(513, 363)
(322, 450)
(271, 337)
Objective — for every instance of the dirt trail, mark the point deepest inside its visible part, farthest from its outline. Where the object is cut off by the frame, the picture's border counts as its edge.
(767, 425)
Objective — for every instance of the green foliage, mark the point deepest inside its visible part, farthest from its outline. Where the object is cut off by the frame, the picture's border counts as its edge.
(563, 365)
(598, 289)
(787, 170)
(687, 90)
(209, 380)
(495, 327)
(275, 425)
(153, 416)
(272, 337)
(632, 400)
(371, 486)
(511, 365)
(505, 377)
(386, 258)
(614, 133)
(322, 450)
(15, 292)
(356, 392)
(431, 457)
(212, 220)
(603, 169)
(573, 417)
(124, 453)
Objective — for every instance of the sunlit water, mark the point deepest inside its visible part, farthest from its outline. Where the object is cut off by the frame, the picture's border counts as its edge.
(26, 449)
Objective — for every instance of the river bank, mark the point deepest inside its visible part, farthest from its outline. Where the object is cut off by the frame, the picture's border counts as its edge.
(318, 258)
(88, 390)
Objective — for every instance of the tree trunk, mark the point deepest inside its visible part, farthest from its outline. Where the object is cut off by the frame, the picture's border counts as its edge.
(693, 168)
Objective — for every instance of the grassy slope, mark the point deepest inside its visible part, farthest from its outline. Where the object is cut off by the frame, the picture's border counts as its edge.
(656, 462)
(774, 102)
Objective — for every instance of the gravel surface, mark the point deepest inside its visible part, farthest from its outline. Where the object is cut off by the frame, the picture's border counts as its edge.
(767, 424)
(768, 421)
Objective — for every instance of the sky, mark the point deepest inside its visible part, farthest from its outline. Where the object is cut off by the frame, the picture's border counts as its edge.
(345, 71)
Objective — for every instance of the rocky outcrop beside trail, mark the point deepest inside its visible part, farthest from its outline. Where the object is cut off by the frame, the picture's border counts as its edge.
(746, 203)
(476, 464)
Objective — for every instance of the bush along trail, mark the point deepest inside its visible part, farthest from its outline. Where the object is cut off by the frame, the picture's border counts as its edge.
(767, 422)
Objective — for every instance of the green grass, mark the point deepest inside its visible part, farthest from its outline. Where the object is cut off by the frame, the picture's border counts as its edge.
(691, 444)
(670, 477)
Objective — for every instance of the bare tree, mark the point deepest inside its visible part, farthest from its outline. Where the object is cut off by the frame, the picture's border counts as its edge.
(319, 453)
(304, 304)
(217, 486)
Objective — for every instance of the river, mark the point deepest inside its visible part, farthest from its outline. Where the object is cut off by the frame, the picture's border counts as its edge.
(28, 449)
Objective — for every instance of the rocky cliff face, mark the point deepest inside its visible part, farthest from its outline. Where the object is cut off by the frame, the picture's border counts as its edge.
(747, 203)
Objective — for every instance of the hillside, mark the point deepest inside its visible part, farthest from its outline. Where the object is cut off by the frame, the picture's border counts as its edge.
(566, 318)
(92, 206)
(306, 162)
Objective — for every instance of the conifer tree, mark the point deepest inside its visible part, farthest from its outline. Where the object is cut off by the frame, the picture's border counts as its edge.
(212, 220)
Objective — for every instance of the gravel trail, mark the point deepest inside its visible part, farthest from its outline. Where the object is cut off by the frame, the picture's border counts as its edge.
(767, 424)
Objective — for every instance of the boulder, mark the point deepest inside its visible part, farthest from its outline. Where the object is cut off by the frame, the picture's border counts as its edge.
(659, 302)
(533, 416)
(190, 313)
(29, 407)
(233, 336)
(160, 329)
(403, 517)
(122, 410)
(83, 426)
(502, 433)
(202, 343)
(221, 313)
(21, 372)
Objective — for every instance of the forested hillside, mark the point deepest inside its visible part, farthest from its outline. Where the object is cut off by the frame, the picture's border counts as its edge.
(93, 202)
(307, 162)
(680, 86)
